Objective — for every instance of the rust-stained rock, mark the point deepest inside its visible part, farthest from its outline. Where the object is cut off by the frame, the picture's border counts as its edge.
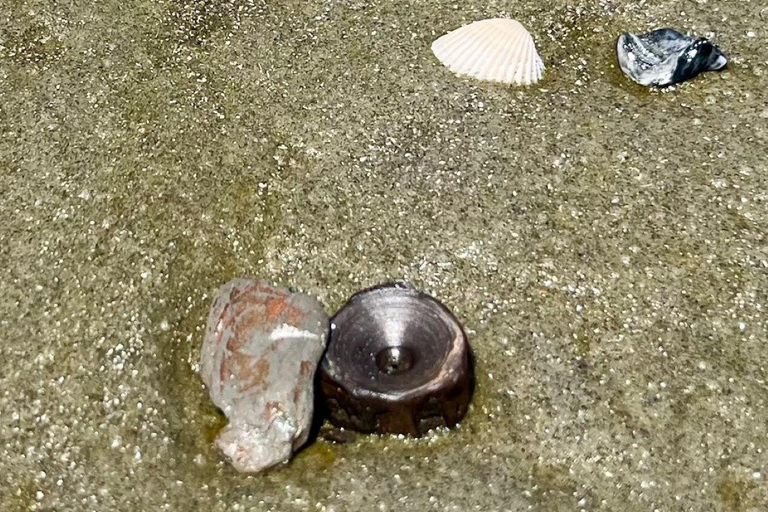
(260, 352)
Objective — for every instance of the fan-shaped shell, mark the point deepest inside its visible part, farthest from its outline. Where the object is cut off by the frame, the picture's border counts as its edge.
(497, 50)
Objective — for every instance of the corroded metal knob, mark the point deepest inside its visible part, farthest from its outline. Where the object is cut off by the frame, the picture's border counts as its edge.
(397, 362)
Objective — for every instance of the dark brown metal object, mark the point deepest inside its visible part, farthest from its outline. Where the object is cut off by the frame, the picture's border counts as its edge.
(397, 362)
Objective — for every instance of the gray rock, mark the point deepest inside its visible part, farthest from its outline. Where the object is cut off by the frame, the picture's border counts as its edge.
(260, 352)
(665, 57)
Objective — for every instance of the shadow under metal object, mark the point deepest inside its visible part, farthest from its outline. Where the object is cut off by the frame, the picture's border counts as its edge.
(397, 362)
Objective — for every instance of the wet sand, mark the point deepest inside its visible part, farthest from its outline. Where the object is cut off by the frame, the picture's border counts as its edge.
(605, 246)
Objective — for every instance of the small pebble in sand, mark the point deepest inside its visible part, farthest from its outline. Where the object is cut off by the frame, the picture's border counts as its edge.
(665, 57)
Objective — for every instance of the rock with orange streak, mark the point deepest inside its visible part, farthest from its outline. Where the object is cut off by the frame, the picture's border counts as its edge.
(260, 352)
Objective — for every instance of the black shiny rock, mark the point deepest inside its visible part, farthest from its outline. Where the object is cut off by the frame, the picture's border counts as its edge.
(665, 57)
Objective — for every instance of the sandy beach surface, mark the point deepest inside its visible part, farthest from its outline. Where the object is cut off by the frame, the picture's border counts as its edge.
(603, 244)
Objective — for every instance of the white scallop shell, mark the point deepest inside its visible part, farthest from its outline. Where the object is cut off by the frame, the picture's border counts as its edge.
(497, 50)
